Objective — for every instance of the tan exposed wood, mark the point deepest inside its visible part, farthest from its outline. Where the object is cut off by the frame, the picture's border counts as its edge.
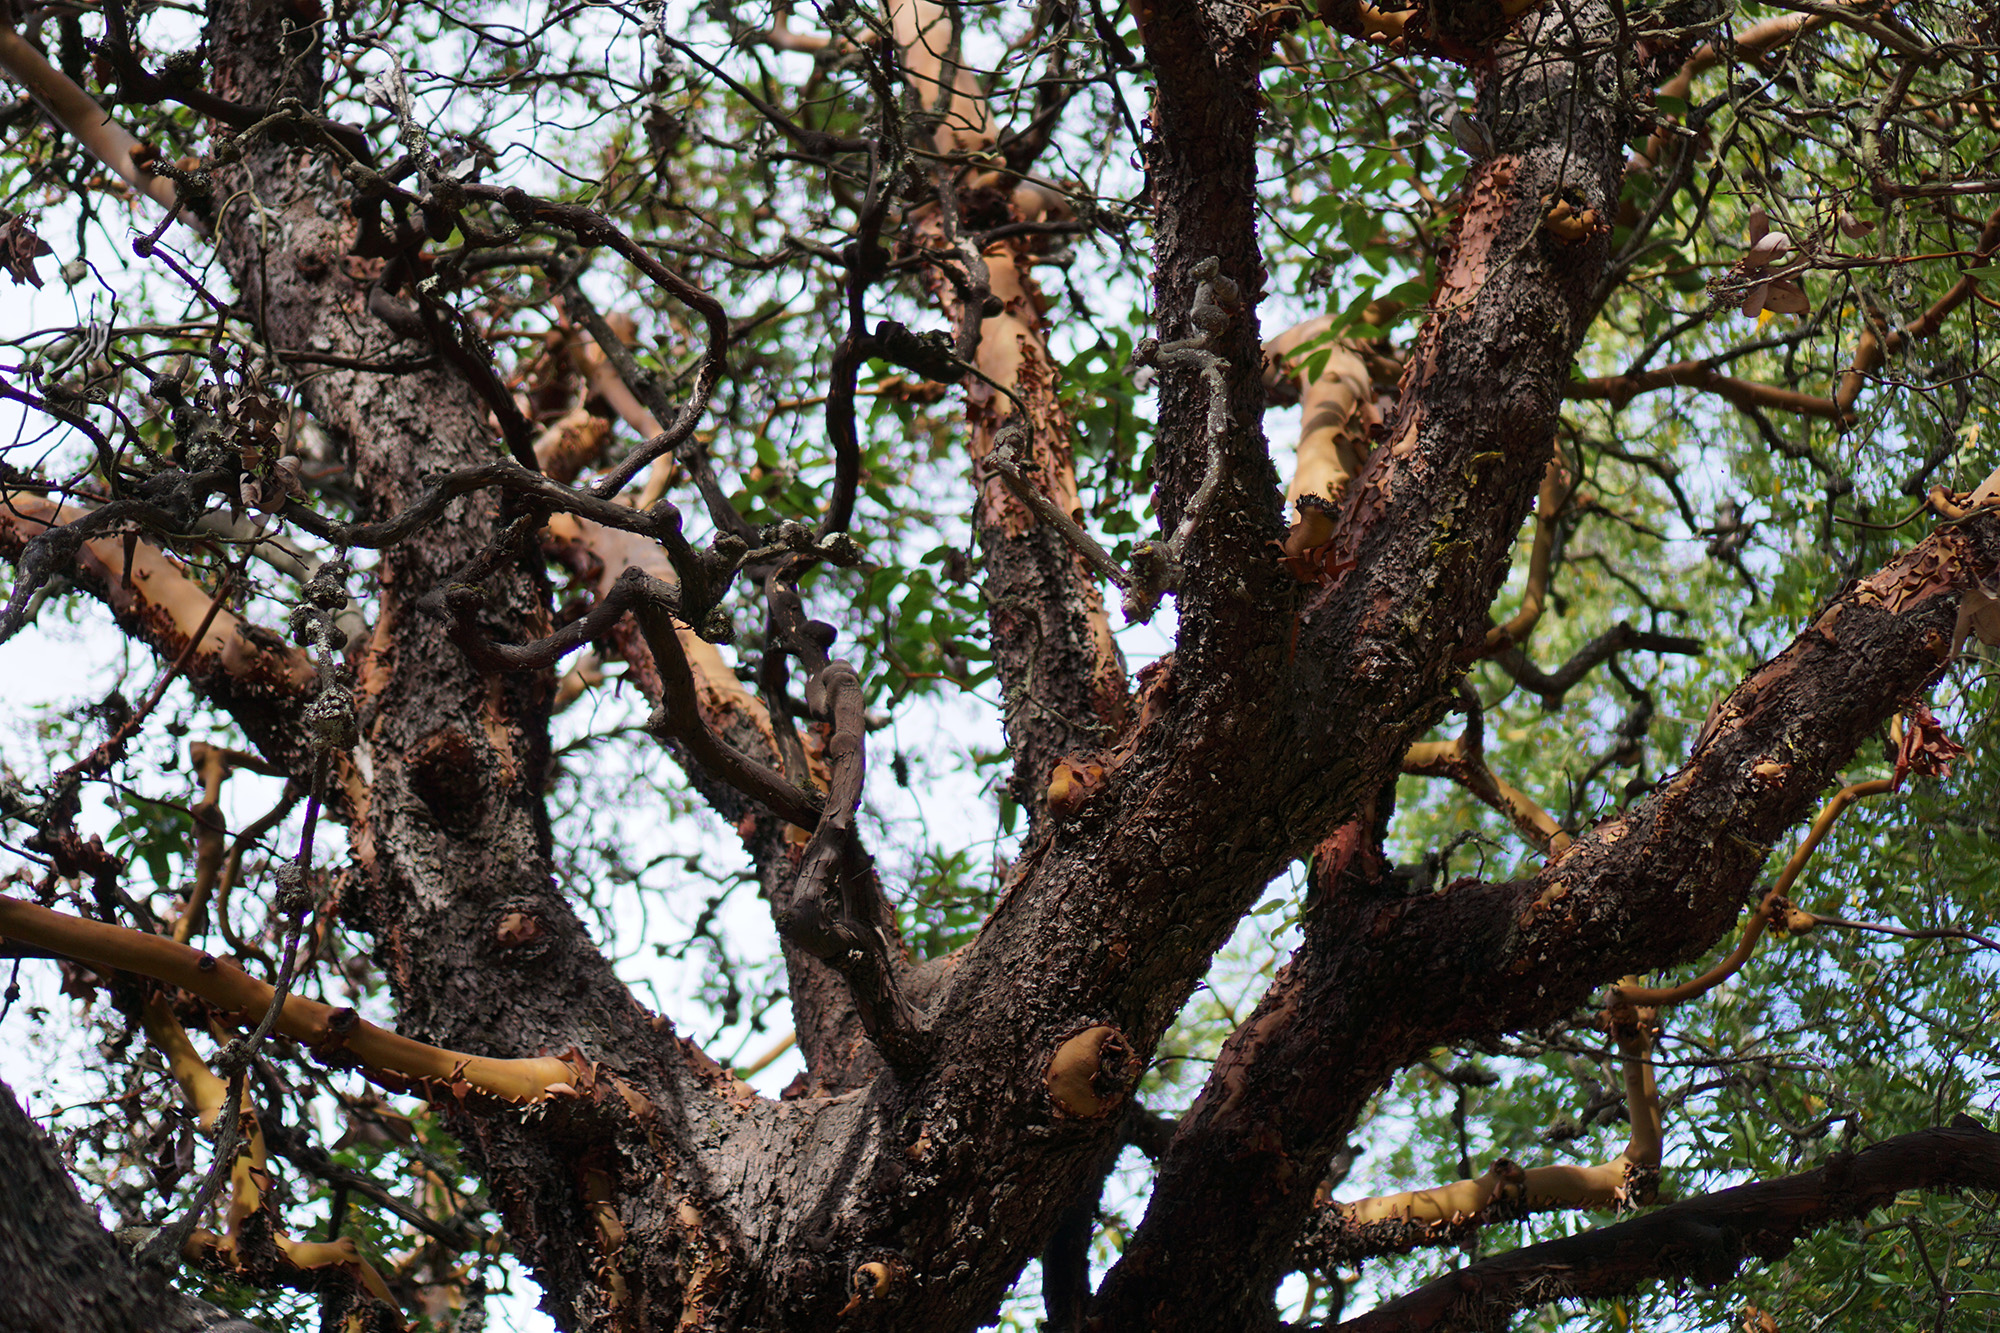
(1625, 1180)
(382, 1053)
(1336, 412)
(1012, 352)
(159, 594)
(78, 113)
(1466, 765)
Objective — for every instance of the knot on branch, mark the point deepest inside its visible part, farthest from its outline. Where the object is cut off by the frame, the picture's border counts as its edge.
(1090, 1073)
(294, 895)
(872, 1282)
(1216, 300)
(933, 355)
(330, 717)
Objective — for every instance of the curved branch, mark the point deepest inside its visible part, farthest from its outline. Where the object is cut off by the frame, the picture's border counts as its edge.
(394, 1060)
(662, 524)
(1775, 908)
(207, 1095)
(1557, 487)
(592, 228)
(1341, 1234)
(836, 910)
(1619, 390)
(1553, 685)
(252, 673)
(679, 717)
(1706, 1239)
(1874, 349)
(78, 113)
(614, 371)
(1463, 760)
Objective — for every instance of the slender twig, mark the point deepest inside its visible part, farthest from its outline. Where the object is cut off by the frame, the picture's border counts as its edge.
(1775, 906)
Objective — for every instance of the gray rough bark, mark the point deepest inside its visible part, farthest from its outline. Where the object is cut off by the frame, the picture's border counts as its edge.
(60, 1270)
(667, 1194)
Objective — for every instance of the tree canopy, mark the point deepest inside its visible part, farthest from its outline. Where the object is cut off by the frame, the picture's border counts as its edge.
(1177, 666)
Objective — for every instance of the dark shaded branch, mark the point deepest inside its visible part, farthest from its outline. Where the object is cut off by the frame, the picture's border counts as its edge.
(661, 523)
(1705, 1239)
(644, 386)
(679, 716)
(1003, 461)
(774, 679)
(1381, 979)
(467, 352)
(65, 1274)
(632, 588)
(592, 228)
(297, 1147)
(1148, 1131)
(140, 86)
(1066, 1257)
(836, 910)
(1749, 395)
(1553, 685)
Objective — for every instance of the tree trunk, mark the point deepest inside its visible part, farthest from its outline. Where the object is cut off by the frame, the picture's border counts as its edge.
(60, 1271)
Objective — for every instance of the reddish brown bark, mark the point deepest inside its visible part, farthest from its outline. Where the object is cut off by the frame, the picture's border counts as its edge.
(452, 837)
(665, 1193)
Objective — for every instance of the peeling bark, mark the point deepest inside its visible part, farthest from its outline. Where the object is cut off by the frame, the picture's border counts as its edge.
(1061, 672)
(656, 1190)
(453, 838)
(244, 668)
(1382, 978)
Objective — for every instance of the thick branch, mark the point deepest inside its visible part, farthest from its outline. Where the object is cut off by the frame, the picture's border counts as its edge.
(250, 672)
(1705, 1239)
(1341, 1234)
(1384, 979)
(78, 113)
(395, 1060)
(453, 873)
(66, 1275)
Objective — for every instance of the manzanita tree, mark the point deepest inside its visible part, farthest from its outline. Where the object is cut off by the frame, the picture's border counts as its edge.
(746, 381)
